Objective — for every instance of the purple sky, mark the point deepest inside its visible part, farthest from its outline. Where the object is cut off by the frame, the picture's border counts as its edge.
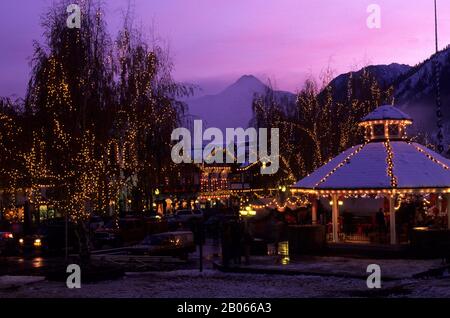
(213, 42)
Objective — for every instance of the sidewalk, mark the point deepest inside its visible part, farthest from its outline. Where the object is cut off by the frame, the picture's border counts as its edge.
(14, 282)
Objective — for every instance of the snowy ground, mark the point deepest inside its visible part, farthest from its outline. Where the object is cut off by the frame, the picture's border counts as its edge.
(214, 284)
(342, 266)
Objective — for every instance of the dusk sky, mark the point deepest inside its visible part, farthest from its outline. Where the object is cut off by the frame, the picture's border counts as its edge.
(213, 42)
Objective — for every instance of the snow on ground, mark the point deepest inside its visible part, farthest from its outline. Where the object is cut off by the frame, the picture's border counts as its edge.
(11, 282)
(190, 283)
(439, 288)
(390, 268)
(213, 284)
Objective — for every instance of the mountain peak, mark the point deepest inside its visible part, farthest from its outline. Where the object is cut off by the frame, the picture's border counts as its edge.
(246, 83)
(233, 106)
(248, 78)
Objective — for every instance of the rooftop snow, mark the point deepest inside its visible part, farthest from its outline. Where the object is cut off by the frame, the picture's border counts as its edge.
(386, 112)
(414, 166)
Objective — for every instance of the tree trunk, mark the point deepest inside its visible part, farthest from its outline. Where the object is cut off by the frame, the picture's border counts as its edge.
(27, 218)
(84, 247)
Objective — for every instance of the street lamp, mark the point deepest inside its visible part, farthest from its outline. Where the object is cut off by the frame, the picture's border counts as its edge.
(247, 212)
(282, 188)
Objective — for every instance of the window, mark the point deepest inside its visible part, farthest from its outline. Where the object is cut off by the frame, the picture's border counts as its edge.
(394, 130)
(378, 130)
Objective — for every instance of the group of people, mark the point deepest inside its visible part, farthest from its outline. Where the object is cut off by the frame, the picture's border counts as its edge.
(236, 241)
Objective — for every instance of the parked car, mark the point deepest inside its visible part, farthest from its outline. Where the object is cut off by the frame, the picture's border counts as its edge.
(132, 229)
(50, 238)
(106, 237)
(95, 222)
(7, 243)
(128, 230)
(169, 243)
(35, 243)
(188, 215)
(155, 224)
(173, 222)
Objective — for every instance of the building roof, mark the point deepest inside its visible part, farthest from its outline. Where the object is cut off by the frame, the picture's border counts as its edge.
(366, 167)
(382, 165)
(386, 112)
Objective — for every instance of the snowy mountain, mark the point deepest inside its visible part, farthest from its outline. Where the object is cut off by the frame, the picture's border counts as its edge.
(415, 91)
(386, 75)
(232, 107)
(413, 86)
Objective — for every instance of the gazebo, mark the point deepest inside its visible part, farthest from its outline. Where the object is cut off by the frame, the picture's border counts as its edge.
(387, 165)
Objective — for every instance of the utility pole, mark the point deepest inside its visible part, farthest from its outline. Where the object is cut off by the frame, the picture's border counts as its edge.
(66, 237)
(437, 71)
(436, 25)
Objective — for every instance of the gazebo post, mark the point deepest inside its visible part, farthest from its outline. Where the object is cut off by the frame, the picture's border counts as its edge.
(335, 217)
(392, 227)
(314, 210)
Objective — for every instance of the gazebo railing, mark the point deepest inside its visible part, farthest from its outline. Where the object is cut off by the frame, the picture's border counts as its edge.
(350, 237)
(372, 237)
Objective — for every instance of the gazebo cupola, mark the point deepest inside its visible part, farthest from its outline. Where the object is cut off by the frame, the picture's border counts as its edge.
(386, 123)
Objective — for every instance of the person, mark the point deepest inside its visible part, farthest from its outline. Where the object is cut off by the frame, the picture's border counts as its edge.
(348, 223)
(247, 242)
(381, 222)
(279, 230)
(418, 217)
(236, 241)
(226, 244)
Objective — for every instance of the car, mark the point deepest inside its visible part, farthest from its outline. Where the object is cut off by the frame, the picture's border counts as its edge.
(50, 238)
(188, 215)
(169, 243)
(173, 222)
(129, 230)
(105, 237)
(155, 224)
(95, 222)
(35, 243)
(7, 243)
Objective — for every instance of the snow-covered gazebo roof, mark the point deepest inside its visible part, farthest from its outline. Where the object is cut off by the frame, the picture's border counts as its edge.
(387, 162)
(386, 112)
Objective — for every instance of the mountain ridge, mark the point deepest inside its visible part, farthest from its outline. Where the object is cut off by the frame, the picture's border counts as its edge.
(414, 92)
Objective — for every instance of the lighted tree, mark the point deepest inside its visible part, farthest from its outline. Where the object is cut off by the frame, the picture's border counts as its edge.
(13, 144)
(270, 110)
(149, 110)
(101, 116)
(316, 127)
(72, 101)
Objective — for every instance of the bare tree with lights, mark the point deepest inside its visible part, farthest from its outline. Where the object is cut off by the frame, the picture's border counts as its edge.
(315, 127)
